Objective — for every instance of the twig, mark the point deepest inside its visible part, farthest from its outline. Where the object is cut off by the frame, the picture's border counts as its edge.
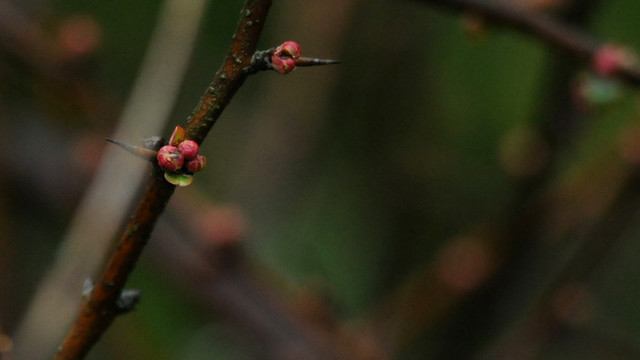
(233, 72)
(87, 243)
(540, 26)
(99, 310)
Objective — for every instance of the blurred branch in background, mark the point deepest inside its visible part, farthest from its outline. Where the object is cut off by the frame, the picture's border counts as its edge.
(100, 213)
(558, 122)
(566, 300)
(205, 256)
(463, 280)
(541, 26)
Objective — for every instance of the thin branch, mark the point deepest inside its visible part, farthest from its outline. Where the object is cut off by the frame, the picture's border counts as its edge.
(84, 250)
(233, 72)
(87, 243)
(101, 307)
(540, 26)
(99, 310)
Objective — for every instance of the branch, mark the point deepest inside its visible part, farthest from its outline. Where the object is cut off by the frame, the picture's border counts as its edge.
(101, 307)
(543, 27)
(88, 243)
(232, 74)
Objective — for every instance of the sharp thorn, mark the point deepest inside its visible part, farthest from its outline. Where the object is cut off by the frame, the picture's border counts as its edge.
(306, 61)
(141, 152)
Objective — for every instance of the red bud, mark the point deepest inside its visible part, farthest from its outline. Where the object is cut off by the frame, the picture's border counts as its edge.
(189, 149)
(290, 48)
(609, 59)
(197, 164)
(283, 66)
(170, 158)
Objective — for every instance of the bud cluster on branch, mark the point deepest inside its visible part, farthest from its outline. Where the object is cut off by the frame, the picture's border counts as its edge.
(180, 159)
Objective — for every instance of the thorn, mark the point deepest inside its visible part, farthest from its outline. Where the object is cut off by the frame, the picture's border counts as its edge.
(141, 152)
(306, 61)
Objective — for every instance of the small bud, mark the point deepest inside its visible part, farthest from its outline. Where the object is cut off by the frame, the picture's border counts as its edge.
(289, 48)
(283, 65)
(197, 164)
(189, 149)
(170, 158)
(609, 59)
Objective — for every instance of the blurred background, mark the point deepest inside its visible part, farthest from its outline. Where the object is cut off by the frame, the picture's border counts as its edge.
(452, 190)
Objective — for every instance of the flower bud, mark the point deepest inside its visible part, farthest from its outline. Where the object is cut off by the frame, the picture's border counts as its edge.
(609, 60)
(170, 158)
(197, 164)
(283, 66)
(289, 48)
(189, 149)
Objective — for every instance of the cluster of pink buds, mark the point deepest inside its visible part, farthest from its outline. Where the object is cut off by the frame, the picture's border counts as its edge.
(180, 159)
(284, 57)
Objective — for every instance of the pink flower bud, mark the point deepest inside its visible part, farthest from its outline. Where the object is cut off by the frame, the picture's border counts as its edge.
(283, 66)
(290, 48)
(197, 164)
(189, 149)
(609, 59)
(170, 158)
(283, 59)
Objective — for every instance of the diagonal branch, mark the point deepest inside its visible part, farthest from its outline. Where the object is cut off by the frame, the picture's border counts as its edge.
(233, 72)
(540, 26)
(101, 307)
